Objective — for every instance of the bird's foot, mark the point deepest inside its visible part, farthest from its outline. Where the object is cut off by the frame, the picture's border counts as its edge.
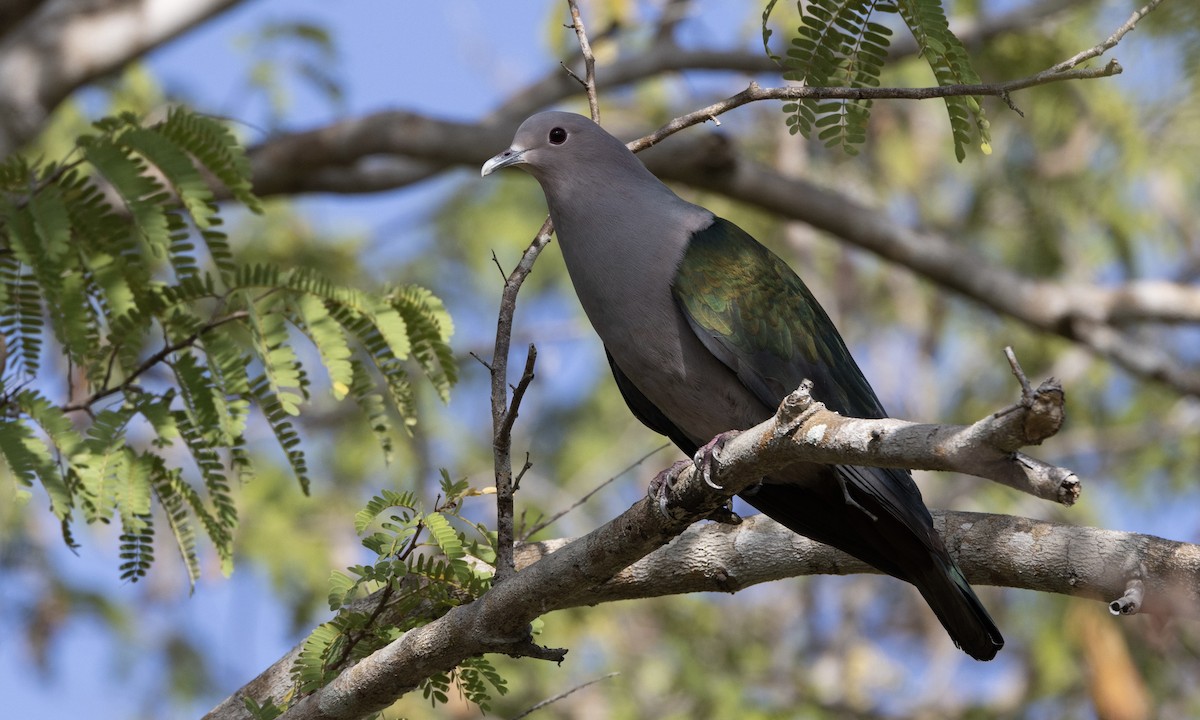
(658, 488)
(706, 457)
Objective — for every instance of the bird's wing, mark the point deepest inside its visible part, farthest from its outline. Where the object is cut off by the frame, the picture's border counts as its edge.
(752, 311)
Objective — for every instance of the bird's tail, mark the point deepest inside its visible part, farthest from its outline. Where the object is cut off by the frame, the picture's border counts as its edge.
(896, 544)
(951, 598)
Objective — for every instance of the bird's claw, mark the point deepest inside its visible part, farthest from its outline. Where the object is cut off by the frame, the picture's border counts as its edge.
(704, 461)
(659, 487)
(706, 457)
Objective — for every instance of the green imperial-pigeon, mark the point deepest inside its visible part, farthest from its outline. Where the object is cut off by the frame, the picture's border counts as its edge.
(707, 331)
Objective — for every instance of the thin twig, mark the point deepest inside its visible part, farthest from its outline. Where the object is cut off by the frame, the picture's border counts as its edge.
(561, 695)
(1063, 71)
(153, 360)
(503, 414)
(589, 60)
(520, 388)
(1015, 365)
(520, 475)
(480, 360)
(558, 515)
(757, 93)
(1110, 42)
(501, 422)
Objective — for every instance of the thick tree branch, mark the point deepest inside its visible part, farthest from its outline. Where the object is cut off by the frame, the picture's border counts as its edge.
(991, 549)
(804, 429)
(344, 158)
(64, 44)
(998, 550)
(13, 12)
(622, 559)
(1090, 315)
(347, 156)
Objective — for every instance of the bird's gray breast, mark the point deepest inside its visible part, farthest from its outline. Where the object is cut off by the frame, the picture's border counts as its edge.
(622, 273)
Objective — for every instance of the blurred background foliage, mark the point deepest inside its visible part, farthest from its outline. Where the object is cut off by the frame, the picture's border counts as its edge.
(1095, 183)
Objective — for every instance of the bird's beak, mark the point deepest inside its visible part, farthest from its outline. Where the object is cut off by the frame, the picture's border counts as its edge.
(511, 156)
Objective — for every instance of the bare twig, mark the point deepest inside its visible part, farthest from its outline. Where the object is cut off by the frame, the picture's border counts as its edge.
(154, 360)
(561, 695)
(755, 93)
(1063, 71)
(1109, 43)
(522, 385)
(667, 56)
(589, 60)
(588, 495)
(1018, 373)
(503, 415)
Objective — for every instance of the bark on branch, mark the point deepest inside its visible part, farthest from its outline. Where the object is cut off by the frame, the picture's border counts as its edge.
(498, 621)
(1001, 550)
(63, 44)
(623, 559)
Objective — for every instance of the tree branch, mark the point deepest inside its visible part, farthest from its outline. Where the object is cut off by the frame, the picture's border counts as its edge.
(665, 56)
(65, 44)
(1001, 550)
(622, 559)
(152, 361)
(755, 93)
(1089, 315)
(589, 61)
(1109, 43)
(504, 414)
(329, 158)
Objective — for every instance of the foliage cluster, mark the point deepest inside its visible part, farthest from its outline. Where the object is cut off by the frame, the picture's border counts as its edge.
(114, 261)
(424, 566)
(843, 43)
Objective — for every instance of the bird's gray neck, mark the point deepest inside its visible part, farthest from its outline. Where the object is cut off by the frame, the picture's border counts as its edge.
(622, 243)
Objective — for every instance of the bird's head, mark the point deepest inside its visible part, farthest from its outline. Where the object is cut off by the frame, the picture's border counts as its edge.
(558, 145)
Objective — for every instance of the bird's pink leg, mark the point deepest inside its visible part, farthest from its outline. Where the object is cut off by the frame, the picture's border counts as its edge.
(705, 461)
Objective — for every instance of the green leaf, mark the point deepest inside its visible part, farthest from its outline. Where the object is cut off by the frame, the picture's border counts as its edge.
(384, 500)
(211, 143)
(143, 195)
(30, 461)
(178, 169)
(279, 420)
(327, 335)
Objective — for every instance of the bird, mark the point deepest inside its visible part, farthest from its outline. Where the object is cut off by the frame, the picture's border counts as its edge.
(706, 331)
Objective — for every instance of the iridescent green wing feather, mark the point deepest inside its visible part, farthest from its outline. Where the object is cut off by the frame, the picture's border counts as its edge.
(752, 311)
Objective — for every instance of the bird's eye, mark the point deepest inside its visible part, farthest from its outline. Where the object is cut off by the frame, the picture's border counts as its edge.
(558, 136)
